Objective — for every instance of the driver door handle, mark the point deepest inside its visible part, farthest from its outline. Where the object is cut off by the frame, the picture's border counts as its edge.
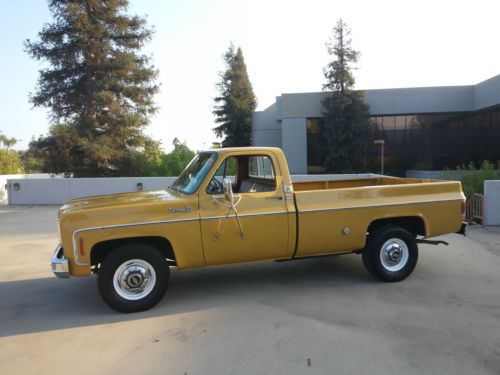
(280, 198)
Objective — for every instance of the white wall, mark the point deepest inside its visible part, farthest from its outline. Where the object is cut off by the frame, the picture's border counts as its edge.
(491, 202)
(42, 189)
(5, 177)
(60, 190)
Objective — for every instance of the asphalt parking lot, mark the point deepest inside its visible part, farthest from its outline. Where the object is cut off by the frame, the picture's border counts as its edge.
(318, 316)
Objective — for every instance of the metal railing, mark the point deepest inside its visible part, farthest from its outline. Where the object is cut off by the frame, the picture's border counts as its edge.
(475, 208)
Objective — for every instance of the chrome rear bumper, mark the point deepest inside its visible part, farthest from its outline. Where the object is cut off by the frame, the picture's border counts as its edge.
(59, 263)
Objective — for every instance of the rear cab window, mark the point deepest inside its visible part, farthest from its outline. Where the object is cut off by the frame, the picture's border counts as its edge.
(261, 176)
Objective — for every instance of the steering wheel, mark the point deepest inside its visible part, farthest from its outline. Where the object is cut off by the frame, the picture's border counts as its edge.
(215, 186)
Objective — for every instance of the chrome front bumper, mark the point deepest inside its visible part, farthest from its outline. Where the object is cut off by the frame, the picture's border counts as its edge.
(59, 263)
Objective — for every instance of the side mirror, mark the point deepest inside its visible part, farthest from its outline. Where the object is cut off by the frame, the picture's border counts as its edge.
(228, 191)
(230, 205)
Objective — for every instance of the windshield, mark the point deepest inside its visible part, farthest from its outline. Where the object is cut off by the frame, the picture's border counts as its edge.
(193, 175)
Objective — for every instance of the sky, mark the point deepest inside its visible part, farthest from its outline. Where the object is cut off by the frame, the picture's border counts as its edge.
(402, 44)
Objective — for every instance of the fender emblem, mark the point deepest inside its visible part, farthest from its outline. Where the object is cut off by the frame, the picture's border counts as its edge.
(179, 209)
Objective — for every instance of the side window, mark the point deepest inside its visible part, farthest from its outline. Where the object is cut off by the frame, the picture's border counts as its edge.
(228, 169)
(231, 168)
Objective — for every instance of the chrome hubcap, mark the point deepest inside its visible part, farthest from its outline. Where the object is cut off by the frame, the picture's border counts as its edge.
(394, 254)
(134, 279)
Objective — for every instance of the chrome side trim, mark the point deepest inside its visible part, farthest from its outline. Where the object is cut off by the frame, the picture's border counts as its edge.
(247, 215)
(378, 205)
(59, 264)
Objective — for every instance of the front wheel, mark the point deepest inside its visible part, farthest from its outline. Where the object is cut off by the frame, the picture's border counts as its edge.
(391, 253)
(134, 277)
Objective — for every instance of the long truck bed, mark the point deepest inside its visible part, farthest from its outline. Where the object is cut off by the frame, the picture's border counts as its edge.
(334, 216)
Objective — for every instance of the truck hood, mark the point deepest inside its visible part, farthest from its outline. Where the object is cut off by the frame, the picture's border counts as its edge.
(123, 209)
(120, 200)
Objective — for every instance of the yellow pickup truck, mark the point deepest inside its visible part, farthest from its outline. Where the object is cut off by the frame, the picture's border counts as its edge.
(239, 205)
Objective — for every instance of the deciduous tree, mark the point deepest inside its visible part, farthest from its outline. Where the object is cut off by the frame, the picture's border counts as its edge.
(174, 162)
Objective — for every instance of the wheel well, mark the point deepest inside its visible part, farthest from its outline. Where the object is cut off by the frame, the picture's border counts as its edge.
(412, 224)
(100, 250)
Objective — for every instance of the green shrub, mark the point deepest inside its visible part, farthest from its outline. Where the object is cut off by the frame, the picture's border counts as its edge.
(472, 179)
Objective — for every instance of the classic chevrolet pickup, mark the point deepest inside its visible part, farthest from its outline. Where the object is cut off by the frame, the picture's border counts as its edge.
(240, 205)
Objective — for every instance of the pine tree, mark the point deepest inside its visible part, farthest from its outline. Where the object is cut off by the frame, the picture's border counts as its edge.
(236, 102)
(346, 123)
(98, 88)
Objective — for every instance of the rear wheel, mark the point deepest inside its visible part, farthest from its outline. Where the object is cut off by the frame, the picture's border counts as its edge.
(391, 253)
(134, 277)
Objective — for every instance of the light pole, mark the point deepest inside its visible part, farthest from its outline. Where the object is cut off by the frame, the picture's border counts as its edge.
(381, 142)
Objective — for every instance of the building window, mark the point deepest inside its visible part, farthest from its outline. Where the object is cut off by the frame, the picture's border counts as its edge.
(438, 141)
(315, 146)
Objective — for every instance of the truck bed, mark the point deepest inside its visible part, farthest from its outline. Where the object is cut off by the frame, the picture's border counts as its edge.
(333, 216)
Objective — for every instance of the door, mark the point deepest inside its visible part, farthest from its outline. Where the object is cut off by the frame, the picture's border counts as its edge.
(262, 230)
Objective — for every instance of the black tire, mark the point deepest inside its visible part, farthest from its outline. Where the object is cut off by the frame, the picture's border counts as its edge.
(391, 253)
(133, 262)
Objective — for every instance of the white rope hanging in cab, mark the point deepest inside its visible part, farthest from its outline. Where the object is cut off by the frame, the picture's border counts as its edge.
(230, 205)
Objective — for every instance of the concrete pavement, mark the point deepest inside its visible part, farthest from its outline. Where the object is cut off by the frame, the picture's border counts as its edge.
(318, 316)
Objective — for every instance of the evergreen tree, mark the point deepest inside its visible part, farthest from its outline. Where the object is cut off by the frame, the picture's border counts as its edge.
(236, 102)
(98, 88)
(346, 124)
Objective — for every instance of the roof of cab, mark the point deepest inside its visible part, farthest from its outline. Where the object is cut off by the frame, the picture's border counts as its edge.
(251, 149)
